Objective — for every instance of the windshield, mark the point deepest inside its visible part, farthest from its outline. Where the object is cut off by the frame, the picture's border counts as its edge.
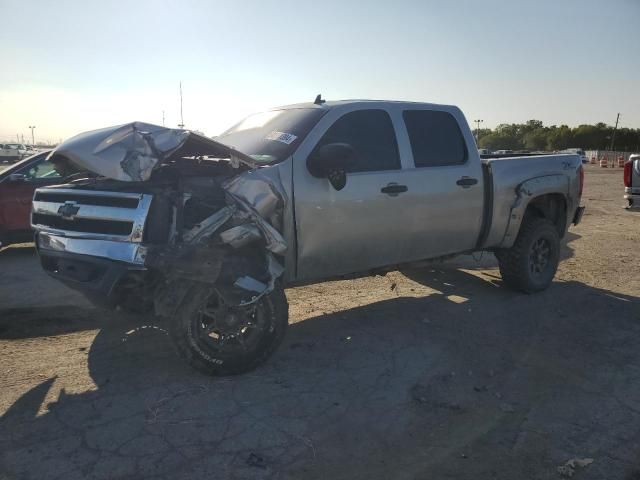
(271, 137)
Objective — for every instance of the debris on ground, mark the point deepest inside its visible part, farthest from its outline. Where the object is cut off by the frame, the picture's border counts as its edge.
(569, 468)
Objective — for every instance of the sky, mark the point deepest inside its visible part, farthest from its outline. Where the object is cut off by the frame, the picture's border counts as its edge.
(75, 65)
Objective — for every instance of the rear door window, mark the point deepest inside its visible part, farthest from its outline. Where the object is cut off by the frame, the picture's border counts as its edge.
(371, 134)
(436, 139)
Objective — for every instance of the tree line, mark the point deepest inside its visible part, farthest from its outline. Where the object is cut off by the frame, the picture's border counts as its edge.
(533, 135)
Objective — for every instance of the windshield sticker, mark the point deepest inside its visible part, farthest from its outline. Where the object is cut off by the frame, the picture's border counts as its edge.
(287, 138)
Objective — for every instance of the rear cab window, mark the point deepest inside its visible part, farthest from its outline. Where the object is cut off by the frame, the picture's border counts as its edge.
(372, 136)
(435, 137)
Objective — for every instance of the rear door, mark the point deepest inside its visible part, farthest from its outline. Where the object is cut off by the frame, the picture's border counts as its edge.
(358, 227)
(444, 203)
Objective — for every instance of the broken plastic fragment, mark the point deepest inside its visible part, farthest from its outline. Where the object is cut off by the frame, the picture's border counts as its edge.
(250, 284)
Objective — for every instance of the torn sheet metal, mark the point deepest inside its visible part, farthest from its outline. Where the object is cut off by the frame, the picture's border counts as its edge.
(258, 191)
(241, 235)
(259, 197)
(259, 200)
(209, 225)
(130, 152)
(250, 284)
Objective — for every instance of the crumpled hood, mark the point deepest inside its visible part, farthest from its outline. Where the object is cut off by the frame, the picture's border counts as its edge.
(130, 152)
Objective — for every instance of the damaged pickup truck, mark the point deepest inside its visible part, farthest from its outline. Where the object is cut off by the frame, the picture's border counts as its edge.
(208, 232)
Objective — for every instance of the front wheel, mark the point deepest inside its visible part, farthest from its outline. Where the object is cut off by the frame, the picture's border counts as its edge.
(531, 263)
(221, 339)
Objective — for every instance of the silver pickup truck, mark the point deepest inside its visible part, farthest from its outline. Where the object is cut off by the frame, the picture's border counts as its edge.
(208, 232)
(632, 183)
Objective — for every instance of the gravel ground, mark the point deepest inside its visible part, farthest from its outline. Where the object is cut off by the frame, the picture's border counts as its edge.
(433, 373)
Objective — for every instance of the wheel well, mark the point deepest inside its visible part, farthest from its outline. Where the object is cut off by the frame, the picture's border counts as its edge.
(553, 207)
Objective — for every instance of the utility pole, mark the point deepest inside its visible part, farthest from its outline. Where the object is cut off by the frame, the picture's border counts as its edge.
(478, 122)
(613, 136)
(33, 142)
(163, 118)
(181, 124)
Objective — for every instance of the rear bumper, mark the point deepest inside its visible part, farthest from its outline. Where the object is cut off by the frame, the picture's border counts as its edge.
(76, 265)
(633, 201)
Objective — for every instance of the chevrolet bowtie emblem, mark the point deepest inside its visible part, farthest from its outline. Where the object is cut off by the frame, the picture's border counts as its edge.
(68, 210)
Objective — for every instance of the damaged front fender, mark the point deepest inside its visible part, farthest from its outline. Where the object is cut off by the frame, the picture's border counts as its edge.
(237, 249)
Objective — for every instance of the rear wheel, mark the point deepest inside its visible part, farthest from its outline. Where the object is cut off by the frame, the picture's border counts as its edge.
(221, 339)
(531, 263)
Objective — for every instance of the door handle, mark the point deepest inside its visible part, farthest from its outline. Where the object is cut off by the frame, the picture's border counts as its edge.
(466, 182)
(393, 189)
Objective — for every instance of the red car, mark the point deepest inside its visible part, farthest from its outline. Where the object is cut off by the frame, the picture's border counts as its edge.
(17, 184)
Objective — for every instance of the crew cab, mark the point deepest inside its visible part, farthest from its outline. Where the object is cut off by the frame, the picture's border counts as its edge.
(632, 182)
(208, 232)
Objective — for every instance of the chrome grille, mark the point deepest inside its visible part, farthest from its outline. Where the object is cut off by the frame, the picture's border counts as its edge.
(102, 215)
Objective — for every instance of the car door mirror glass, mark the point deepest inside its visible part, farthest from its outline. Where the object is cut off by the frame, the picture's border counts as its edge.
(332, 161)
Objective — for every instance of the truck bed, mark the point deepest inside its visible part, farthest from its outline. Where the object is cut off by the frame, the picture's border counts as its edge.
(504, 177)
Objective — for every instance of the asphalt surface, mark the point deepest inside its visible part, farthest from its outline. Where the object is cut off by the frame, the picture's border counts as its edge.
(433, 373)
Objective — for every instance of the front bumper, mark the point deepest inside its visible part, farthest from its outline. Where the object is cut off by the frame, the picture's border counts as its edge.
(92, 267)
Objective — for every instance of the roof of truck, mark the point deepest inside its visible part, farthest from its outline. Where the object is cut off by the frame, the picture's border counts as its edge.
(335, 103)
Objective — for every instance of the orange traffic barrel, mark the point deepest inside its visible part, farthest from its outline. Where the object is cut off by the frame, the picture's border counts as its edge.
(604, 162)
(621, 161)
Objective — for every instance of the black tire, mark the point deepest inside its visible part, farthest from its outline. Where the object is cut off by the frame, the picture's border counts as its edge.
(518, 263)
(204, 353)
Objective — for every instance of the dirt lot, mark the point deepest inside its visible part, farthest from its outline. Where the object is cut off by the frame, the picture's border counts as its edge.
(435, 373)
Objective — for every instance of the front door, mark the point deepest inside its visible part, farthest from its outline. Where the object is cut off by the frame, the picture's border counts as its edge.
(358, 227)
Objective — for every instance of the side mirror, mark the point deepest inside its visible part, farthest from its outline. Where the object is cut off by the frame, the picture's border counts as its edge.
(17, 178)
(332, 161)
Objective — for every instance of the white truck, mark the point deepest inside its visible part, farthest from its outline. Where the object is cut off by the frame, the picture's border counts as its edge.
(12, 152)
(208, 232)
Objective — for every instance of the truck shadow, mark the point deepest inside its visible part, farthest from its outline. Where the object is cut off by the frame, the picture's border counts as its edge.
(49, 321)
(518, 383)
(485, 260)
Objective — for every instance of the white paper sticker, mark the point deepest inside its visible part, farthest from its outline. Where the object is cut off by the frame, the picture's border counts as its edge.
(287, 138)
